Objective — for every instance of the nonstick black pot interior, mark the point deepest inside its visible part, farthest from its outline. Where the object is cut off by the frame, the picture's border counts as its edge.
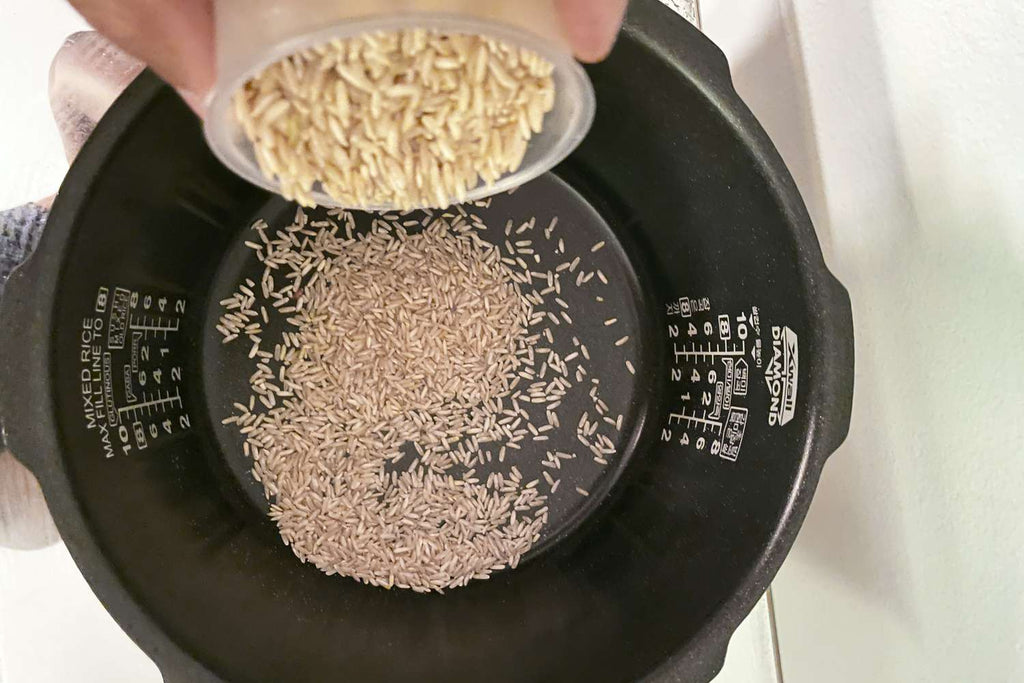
(743, 388)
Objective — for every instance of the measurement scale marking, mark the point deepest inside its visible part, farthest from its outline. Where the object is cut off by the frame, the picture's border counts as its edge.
(715, 425)
(153, 403)
(157, 326)
(695, 351)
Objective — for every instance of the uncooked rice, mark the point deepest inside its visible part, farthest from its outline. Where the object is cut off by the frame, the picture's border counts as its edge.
(408, 119)
(409, 353)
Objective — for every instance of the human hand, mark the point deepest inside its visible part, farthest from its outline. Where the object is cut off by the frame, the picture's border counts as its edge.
(591, 26)
(176, 37)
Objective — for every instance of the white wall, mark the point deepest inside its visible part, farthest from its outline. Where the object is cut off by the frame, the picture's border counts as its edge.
(904, 125)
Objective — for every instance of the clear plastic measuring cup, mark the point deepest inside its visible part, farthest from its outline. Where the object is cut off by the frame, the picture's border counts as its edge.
(252, 34)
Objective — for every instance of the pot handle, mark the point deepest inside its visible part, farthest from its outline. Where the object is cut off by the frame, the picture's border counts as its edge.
(20, 229)
(837, 372)
(663, 21)
(25, 522)
(86, 76)
(692, 667)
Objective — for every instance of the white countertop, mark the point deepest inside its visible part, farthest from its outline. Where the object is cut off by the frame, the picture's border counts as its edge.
(901, 123)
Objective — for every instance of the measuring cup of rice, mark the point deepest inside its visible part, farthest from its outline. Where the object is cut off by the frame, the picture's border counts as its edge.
(315, 158)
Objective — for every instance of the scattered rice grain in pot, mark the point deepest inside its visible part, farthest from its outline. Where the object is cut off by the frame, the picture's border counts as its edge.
(406, 361)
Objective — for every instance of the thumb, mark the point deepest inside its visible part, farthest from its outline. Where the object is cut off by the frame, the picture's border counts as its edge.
(174, 38)
(591, 26)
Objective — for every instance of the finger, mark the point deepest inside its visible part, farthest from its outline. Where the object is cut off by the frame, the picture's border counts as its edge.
(591, 26)
(175, 37)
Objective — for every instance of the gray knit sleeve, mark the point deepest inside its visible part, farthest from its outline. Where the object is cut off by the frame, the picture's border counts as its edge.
(20, 229)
